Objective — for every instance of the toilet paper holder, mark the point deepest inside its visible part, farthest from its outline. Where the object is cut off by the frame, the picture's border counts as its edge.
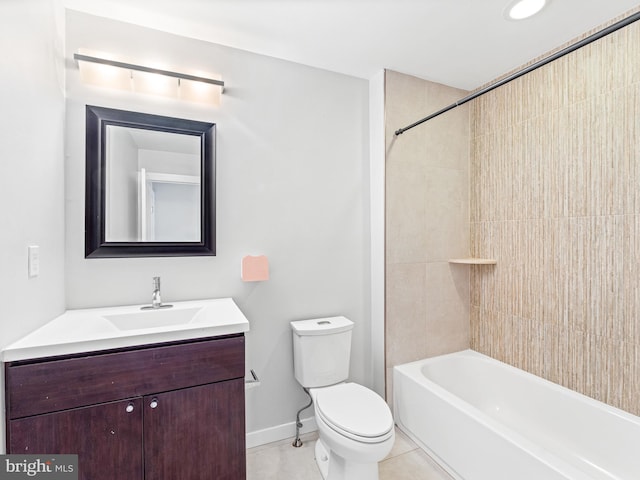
(254, 381)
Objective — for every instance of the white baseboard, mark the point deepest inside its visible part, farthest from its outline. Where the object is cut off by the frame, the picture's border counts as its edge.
(280, 432)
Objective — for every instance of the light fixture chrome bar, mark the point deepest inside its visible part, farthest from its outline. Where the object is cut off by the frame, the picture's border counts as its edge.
(130, 66)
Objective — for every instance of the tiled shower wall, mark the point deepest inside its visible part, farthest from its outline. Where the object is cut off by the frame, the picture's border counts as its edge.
(555, 198)
(427, 222)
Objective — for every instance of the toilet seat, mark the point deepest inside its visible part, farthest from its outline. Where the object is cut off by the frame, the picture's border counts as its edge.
(355, 412)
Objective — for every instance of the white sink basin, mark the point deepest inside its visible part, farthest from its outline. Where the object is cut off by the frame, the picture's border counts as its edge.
(93, 329)
(164, 317)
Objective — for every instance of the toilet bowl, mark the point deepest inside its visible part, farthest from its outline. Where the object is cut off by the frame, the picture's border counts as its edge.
(355, 424)
(356, 431)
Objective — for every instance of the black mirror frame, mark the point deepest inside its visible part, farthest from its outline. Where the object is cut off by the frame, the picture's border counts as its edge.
(96, 246)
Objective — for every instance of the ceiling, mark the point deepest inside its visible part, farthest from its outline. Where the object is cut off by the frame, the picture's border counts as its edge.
(461, 43)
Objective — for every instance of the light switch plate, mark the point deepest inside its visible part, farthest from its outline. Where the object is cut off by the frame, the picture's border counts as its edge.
(34, 260)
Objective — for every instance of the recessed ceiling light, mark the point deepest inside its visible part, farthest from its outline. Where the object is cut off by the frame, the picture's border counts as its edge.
(521, 9)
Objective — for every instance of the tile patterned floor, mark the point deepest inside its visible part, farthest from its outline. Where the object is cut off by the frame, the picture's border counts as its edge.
(282, 461)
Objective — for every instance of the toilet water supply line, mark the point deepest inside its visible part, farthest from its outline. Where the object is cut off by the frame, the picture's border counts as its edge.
(297, 442)
(561, 53)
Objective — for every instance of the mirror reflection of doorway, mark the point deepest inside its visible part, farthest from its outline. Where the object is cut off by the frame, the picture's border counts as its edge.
(169, 158)
(169, 207)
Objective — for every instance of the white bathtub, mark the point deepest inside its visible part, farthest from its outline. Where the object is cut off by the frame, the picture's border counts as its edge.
(485, 420)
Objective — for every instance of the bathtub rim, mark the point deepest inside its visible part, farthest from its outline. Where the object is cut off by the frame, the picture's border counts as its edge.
(476, 415)
(540, 380)
(413, 371)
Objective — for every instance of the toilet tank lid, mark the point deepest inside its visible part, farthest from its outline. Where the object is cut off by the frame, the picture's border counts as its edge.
(322, 326)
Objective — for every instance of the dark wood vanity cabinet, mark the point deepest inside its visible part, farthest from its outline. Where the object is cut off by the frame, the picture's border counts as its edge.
(161, 412)
(107, 438)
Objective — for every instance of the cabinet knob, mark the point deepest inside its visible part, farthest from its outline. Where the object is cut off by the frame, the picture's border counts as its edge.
(154, 403)
(129, 408)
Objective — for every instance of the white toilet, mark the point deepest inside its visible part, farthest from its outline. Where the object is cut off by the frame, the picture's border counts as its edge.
(355, 424)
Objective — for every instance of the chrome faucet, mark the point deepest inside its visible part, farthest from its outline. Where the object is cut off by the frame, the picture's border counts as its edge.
(156, 299)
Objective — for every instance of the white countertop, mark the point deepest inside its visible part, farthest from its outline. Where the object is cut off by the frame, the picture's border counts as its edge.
(88, 330)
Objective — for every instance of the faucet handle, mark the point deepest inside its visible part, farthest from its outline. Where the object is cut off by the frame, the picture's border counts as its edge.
(156, 301)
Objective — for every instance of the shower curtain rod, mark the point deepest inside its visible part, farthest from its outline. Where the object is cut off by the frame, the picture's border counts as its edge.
(561, 53)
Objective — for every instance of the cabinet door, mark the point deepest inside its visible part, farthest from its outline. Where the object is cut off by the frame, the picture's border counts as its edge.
(196, 433)
(107, 438)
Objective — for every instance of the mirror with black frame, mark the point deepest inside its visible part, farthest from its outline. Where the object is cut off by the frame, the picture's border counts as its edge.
(150, 185)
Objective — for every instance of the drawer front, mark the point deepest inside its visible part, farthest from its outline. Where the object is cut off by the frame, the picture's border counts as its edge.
(73, 382)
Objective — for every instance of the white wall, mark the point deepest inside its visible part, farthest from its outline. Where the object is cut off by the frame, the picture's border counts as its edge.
(377, 227)
(31, 167)
(292, 183)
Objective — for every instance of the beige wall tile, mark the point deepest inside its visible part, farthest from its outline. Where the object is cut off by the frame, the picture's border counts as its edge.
(446, 214)
(554, 197)
(427, 221)
(633, 51)
(406, 313)
(406, 219)
(447, 308)
(405, 96)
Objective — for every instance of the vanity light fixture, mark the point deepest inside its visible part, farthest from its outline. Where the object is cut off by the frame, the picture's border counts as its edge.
(144, 79)
(521, 9)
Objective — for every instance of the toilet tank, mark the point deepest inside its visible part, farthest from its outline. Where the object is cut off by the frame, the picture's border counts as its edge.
(321, 351)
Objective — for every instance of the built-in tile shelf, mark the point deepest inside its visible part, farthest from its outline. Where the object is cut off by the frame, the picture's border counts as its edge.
(474, 261)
